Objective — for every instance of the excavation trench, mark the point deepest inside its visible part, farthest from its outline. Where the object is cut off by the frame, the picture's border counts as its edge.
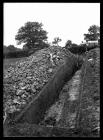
(35, 110)
(63, 112)
(26, 123)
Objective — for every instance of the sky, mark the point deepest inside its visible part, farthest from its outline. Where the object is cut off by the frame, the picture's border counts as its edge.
(68, 21)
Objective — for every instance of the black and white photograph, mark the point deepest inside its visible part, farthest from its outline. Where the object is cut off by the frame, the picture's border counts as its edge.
(51, 69)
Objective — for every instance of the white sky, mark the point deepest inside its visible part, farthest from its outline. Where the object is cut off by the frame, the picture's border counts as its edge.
(69, 21)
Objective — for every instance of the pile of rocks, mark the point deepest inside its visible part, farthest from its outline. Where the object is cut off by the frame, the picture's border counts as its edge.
(26, 78)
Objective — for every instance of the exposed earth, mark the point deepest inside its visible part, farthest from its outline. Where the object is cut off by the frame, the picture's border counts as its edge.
(78, 104)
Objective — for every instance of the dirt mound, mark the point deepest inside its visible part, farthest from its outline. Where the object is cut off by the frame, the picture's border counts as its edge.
(26, 78)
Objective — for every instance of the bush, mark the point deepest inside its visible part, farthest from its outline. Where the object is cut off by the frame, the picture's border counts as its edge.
(77, 49)
(15, 54)
(80, 49)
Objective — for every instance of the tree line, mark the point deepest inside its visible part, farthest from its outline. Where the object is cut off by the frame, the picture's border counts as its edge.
(34, 38)
(92, 35)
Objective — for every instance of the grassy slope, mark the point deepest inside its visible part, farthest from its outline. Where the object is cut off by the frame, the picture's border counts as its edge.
(89, 109)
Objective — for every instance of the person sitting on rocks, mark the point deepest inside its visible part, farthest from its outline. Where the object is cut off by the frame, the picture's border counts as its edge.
(52, 59)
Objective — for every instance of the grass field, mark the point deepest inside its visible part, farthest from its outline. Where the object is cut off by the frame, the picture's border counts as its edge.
(11, 61)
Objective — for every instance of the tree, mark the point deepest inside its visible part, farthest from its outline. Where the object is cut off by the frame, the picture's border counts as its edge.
(56, 41)
(11, 48)
(93, 33)
(68, 44)
(32, 35)
(4, 49)
(7, 49)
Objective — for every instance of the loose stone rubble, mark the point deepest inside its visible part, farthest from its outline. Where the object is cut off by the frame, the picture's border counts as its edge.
(26, 78)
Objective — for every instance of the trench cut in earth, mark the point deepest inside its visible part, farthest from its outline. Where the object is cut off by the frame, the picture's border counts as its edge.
(36, 109)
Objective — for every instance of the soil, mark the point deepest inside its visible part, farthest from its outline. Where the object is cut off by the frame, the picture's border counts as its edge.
(75, 113)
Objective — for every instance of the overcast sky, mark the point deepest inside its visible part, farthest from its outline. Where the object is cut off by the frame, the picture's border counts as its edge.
(69, 21)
